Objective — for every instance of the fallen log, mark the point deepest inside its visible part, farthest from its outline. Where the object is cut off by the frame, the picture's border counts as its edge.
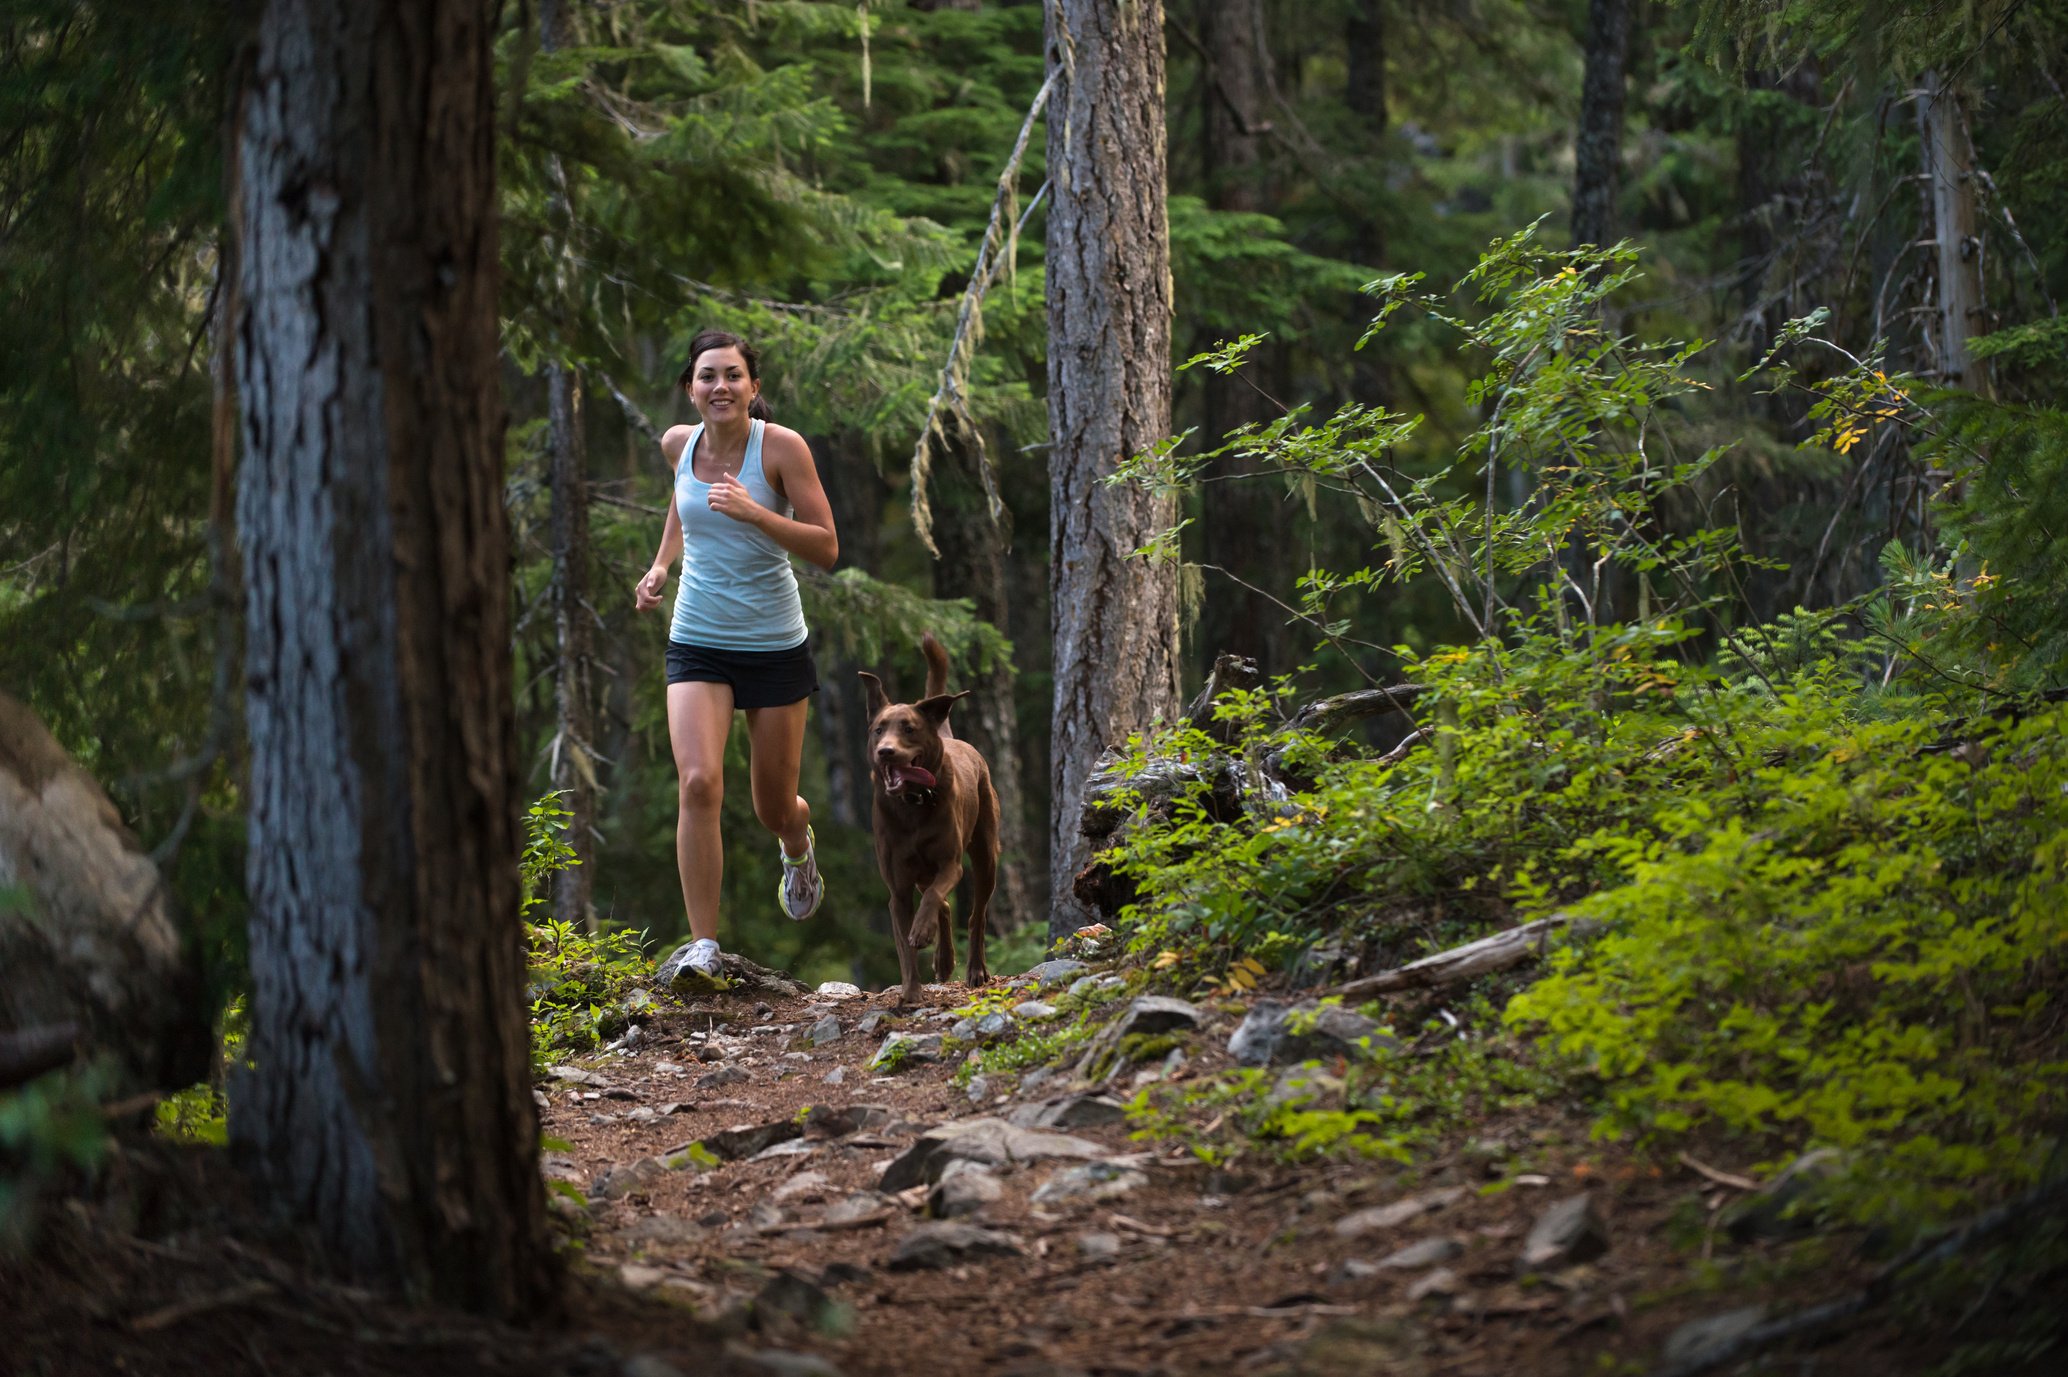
(1488, 954)
(1335, 713)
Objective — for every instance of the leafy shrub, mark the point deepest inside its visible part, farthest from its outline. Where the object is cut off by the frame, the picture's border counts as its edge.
(580, 981)
(1860, 953)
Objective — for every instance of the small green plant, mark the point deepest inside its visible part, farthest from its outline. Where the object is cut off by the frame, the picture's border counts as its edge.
(50, 1129)
(581, 983)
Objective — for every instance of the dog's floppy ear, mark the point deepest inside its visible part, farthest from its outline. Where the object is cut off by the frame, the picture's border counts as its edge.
(878, 699)
(935, 709)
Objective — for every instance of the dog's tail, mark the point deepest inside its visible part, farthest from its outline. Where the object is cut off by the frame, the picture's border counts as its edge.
(936, 665)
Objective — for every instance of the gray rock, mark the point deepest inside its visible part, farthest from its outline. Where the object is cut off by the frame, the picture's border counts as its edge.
(723, 1076)
(770, 1362)
(1039, 1076)
(1274, 1033)
(900, 1048)
(649, 1365)
(793, 1294)
(1441, 1282)
(992, 1142)
(827, 1029)
(1711, 1335)
(1090, 1182)
(979, 1089)
(1570, 1231)
(839, 989)
(1787, 1205)
(1082, 985)
(1033, 1011)
(1098, 1246)
(1088, 1110)
(964, 1189)
(1391, 1216)
(862, 1207)
(836, 1076)
(745, 1140)
(574, 1075)
(619, 1182)
(947, 1242)
(964, 1030)
(992, 1027)
(870, 1022)
(1426, 1253)
(837, 1121)
(1158, 1014)
(1062, 968)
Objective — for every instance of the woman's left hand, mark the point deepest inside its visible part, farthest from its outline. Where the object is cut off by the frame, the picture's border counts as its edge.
(729, 497)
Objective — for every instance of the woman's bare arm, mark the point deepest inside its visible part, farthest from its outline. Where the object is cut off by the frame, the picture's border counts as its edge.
(647, 593)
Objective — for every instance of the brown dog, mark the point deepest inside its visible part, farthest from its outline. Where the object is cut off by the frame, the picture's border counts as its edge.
(934, 802)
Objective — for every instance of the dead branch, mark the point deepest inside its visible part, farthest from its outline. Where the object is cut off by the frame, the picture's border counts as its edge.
(1488, 954)
(1334, 714)
(1230, 672)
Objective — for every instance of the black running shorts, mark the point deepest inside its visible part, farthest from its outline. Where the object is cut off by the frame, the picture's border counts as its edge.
(759, 678)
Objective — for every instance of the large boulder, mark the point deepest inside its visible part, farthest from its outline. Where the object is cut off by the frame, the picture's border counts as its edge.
(86, 929)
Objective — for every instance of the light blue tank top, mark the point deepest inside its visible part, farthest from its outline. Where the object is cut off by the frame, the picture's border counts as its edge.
(737, 590)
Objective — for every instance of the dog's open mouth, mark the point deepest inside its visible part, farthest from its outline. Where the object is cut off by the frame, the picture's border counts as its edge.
(898, 778)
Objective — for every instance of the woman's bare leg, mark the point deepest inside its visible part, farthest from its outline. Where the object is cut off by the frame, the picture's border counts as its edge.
(699, 719)
(776, 740)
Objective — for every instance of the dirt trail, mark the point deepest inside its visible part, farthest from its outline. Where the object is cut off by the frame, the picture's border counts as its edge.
(1150, 1263)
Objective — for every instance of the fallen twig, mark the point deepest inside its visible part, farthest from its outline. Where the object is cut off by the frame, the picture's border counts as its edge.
(1495, 953)
(1721, 1178)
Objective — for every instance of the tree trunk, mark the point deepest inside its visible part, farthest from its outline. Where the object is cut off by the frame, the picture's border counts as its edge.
(856, 492)
(1598, 148)
(1949, 167)
(972, 565)
(1115, 621)
(389, 1108)
(1244, 527)
(574, 755)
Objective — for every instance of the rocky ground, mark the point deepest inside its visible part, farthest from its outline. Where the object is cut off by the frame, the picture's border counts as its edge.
(771, 1162)
(771, 1181)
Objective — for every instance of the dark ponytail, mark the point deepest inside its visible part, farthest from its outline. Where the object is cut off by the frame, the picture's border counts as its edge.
(707, 340)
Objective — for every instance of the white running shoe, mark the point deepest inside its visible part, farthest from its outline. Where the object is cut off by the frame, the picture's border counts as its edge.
(703, 958)
(802, 889)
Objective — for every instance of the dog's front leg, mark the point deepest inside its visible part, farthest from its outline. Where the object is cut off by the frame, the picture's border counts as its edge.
(933, 917)
(901, 918)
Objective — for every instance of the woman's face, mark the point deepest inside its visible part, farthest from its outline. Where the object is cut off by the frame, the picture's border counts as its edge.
(719, 388)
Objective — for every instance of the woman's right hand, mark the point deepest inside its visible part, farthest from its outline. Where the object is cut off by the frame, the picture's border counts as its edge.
(646, 594)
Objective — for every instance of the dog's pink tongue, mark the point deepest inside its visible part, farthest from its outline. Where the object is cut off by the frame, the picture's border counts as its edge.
(897, 777)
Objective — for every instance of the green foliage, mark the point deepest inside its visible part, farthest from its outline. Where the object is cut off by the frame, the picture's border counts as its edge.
(50, 1131)
(1816, 885)
(584, 986)
(1385, 1108)
(1853, 954)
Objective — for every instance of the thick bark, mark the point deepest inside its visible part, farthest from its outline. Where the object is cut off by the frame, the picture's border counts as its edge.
(1115, 620)
(1364, 45)
(1949, 166)
(574, 755)
(389, 1110)
(1598, 147)
(972, 565)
